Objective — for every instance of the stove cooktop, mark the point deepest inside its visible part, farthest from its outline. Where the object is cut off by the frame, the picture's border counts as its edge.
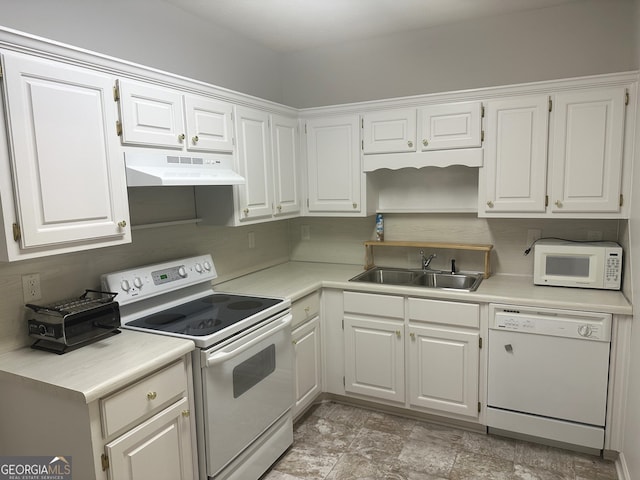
(205, 316)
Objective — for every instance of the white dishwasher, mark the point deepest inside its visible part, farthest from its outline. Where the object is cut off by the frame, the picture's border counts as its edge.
(548, 373)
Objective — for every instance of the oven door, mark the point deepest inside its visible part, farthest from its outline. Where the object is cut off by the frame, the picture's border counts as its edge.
(247, 385)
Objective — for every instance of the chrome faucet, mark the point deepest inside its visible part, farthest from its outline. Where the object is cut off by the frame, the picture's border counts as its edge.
(426, 261)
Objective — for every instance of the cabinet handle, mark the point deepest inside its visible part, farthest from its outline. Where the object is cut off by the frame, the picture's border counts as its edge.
(152, 395)
(558, 204)
(410, 143)
(490, 204)
(398, 333)
(122, 223)
(412, 335)
(186, 413)
(195, 139)
(355, 205)
(425, 142)
(181, 137)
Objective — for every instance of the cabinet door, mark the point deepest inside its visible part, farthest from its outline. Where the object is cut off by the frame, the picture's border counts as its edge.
(68, 169)
(455, 125)
(254, 164)
(391, 131)
(151, 115)
(444, 369)
(159, 448)
(515, 171)
(374, 358)
(334, 171)
(308, 366)
(284, 140)
(586, 150)
(209, 124)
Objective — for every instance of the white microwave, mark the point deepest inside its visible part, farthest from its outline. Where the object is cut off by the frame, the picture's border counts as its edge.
(577, 264)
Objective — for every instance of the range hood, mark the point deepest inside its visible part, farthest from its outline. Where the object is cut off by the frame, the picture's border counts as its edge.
(148, 168)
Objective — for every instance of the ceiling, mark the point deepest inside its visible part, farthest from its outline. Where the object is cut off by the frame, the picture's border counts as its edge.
(290, 25)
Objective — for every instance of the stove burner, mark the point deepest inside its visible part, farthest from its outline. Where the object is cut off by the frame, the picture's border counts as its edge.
(165, 318)
(244, 305)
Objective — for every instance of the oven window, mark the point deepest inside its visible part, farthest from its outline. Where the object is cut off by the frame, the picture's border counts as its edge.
(568, 266)
(253, 370)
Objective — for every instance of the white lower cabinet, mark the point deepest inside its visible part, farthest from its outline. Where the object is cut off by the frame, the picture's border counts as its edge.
(159, 448)
(422, 354)
(307, 351)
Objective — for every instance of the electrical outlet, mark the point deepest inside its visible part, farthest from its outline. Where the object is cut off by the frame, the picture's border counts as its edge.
(252, 239)
(31, 287)
(533, 234)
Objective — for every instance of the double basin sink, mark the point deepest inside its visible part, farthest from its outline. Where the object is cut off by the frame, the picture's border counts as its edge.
(467, 282)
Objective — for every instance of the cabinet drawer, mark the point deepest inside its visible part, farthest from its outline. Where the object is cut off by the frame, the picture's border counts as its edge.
(371, 304)
(127, 406)
(305, 308)
(447, 313)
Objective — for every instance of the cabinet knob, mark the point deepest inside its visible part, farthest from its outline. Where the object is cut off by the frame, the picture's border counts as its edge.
(558, 204)
(122, 223)
(186, 413)
(355, 205)
(294, 342)
(152, 395)
(398, 333)
(195, 139)
(307, 310)
(279, 207)
(425, 142)
(412, 335)
(181, 137)
(490, 204)
(246, 212)
(410, 143)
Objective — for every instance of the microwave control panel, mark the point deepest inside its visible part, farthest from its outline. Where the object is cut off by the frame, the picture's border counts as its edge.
(612, 268)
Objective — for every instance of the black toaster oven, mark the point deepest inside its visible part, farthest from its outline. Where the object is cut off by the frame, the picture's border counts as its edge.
(75, 322)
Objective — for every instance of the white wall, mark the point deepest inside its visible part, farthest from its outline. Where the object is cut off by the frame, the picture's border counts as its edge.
(580, 38)
(631, 449)
(156, 34)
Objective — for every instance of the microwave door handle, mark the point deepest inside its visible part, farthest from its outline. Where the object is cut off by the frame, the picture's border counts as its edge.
(222, 356)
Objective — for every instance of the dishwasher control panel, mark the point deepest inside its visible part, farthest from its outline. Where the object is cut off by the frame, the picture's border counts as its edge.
(559, 323)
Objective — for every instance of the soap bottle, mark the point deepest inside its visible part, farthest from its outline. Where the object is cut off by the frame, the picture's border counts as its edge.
(379, 227)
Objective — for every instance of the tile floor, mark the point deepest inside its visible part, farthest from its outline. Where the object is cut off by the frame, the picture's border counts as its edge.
(339, 442)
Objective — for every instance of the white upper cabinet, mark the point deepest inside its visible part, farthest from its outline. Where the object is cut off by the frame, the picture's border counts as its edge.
(161, 117)
(254, 163)
(568, 162)
(389, 131)
(515, 169)
(69, 184)
(452, 125)
(333, 165)
(286, 159)
(267, 156)
(586, 151)
(209, 124)
(431, 136)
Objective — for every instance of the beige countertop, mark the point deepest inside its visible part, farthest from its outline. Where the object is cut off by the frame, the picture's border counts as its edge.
(296, 279)
(95, 370)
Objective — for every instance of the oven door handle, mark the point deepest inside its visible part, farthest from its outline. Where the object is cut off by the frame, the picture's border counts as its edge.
(222, 356)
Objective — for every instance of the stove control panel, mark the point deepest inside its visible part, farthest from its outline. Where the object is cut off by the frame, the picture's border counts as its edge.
(151, 280)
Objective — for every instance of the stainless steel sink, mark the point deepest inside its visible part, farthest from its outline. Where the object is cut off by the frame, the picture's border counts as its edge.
(390, 276)
(457, 281)
(420, 278)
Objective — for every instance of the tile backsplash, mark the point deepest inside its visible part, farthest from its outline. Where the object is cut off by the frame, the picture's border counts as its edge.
(333, 240)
